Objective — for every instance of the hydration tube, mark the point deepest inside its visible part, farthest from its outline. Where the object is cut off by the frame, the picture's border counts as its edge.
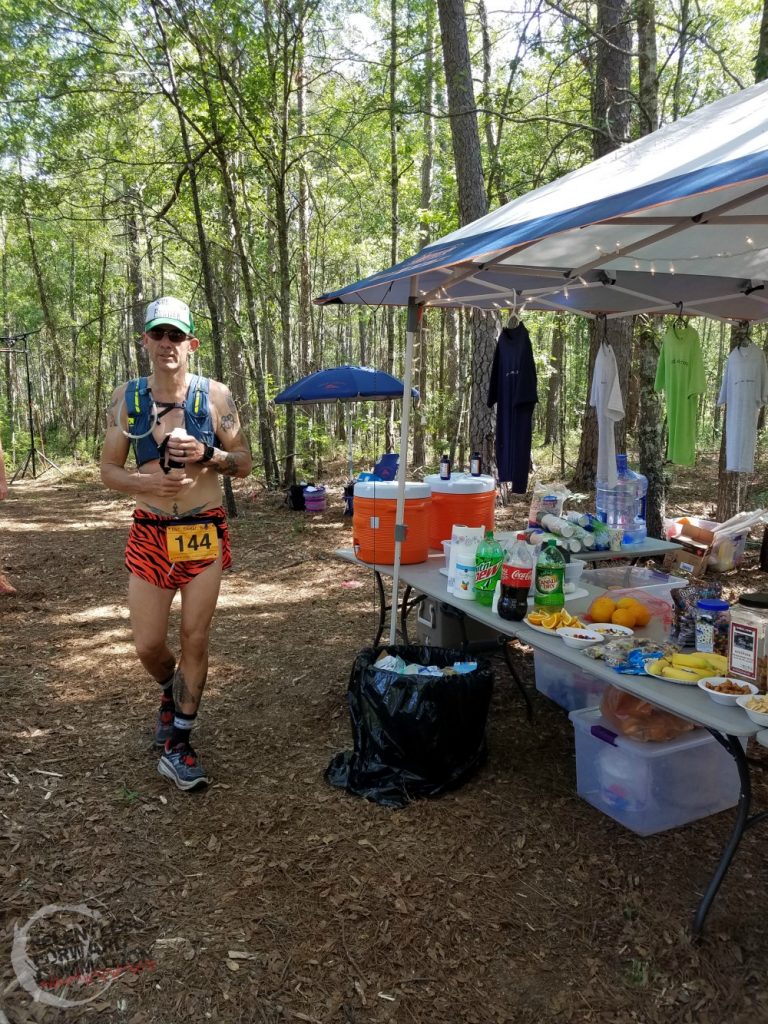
(154, 414)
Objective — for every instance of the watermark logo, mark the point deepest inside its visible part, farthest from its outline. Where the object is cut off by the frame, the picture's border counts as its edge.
(65, 951)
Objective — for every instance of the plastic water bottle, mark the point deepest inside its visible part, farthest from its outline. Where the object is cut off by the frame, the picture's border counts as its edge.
(549, 578)
(620, 506)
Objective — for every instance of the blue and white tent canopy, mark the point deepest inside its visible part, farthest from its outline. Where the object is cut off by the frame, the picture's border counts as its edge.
(677, 221)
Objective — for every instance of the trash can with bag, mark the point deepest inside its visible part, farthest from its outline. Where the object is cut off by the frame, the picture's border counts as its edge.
(415, 735)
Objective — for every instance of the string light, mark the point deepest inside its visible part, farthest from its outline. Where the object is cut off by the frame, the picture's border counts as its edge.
(671, 269)
(749, 241)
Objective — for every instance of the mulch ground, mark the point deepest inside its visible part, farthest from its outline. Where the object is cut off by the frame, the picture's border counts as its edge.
(271, 897)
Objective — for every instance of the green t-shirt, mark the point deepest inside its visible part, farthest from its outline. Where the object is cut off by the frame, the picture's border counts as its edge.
(680, 375)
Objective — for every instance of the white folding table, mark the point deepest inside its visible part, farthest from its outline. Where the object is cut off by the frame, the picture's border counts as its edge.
(728, 725)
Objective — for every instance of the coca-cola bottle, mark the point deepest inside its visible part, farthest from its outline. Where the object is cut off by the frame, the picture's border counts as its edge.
(516, 578)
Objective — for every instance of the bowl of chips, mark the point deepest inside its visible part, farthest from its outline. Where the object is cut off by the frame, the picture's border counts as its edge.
(756, 706)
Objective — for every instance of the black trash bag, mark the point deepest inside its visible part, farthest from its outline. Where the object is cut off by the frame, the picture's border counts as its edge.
(294, 498)
(414, 735)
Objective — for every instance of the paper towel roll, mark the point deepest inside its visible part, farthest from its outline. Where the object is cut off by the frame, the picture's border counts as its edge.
(461, 568)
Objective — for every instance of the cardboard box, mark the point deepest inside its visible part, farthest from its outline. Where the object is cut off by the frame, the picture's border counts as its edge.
(695, 538)
(686, 561)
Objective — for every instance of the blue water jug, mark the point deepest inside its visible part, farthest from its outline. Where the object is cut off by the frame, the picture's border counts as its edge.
(621, 506)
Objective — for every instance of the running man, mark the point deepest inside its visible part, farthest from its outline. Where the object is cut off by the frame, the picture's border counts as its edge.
(185, 432)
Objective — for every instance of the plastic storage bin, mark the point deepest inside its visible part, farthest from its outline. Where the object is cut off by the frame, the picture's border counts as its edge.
(315, 499)
(468, 500)
(651, 787)
(566, 685)
(727, 552)
(373, 522)
(651, 587)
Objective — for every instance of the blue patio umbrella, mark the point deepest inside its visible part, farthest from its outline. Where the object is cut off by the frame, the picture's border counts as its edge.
(344, 384)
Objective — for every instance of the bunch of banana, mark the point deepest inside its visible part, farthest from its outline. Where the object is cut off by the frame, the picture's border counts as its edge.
(688, 668)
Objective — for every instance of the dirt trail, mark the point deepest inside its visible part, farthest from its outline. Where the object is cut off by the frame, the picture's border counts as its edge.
(510, 900)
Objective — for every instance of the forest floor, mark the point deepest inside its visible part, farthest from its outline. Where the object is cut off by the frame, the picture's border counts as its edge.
(271, 897)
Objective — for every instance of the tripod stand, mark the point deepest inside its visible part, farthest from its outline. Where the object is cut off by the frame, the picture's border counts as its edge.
(32, 454)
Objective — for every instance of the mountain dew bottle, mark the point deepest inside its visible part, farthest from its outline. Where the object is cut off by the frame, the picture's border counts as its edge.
(549, 576)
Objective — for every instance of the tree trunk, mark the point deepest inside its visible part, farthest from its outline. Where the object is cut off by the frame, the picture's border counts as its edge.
(554, 394)
(650, 433)
(761, 62)
(136, 283)
(465, 137)
(610, 117)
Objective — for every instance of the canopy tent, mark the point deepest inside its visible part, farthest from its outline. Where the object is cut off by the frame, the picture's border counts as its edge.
(675, 222)
(344, 384)
(680, 216)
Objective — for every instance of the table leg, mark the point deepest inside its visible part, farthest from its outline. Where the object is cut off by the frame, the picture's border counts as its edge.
(383, 607)
(518, 680)
(742, 823)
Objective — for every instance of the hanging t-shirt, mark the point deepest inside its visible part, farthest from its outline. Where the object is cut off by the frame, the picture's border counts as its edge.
(609, 408)
(743, 391)
(680, 375)
(513, 390)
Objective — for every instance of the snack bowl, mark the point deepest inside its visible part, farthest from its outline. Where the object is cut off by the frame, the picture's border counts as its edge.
(758, 717)
(708, 682)
(611, 631)
(578, 636)
(573, 571)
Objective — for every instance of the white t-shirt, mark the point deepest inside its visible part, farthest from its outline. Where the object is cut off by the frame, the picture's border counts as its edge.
(609, 407)
(743, 391)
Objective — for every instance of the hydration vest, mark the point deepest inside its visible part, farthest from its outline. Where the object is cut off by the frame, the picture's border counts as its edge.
(197, 415)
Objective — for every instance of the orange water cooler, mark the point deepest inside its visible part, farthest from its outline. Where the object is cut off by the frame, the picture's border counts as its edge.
(373, 522)
(465, 499)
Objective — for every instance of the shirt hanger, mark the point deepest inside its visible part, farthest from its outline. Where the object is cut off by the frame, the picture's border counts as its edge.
(681, 322)
(514, 319)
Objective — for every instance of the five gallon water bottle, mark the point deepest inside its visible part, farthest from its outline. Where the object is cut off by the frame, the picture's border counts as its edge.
(624, 505)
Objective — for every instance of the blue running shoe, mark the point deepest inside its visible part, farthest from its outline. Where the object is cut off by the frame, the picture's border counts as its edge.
(164, 723)
(182, 766)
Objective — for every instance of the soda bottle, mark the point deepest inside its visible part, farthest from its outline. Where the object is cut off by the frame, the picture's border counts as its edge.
(475, 464)
(488, 559)
(516, 579)
(548, 591)
(445, 467)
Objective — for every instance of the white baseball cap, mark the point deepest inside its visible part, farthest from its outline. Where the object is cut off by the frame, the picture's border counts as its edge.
(168, 310)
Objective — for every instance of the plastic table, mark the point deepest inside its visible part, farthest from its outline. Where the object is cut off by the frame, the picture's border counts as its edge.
(726, 724)
(650, 548)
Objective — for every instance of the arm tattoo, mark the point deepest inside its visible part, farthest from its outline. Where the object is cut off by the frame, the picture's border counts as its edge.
(229, 466)
(111, 418)
(227, 422)
(231, 405)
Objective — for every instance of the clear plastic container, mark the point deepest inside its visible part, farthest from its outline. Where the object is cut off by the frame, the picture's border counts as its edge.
(624, 505)
(566, 685)
(650, 787)
(713, 617)
(747, 639)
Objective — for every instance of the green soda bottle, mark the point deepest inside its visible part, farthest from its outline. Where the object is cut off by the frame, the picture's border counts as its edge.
(549, 575)
(488, 561)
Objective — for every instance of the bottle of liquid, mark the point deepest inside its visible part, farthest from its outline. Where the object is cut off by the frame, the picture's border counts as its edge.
(488, 560)
(549, 577)
(617, 506)
(445, 467)
(516, 579)
(475, 464)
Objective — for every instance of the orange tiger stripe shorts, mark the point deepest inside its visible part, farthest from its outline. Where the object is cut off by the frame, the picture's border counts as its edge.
(146, 554)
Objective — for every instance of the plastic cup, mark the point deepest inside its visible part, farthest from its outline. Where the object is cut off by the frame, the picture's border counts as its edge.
(615, 535)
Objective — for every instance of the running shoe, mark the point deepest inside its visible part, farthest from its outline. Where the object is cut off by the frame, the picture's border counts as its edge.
(164, 724)
(182, 766)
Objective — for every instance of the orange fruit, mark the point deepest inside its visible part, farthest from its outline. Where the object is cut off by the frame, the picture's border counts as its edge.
(627, 602)
(642, 615)
(551, 621)
(624, 617)
(601, 609)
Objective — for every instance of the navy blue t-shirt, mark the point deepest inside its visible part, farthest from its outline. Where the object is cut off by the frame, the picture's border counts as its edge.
(513, 390)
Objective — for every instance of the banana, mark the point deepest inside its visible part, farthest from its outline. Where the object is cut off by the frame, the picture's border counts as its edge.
(684, 675)
(718, 663)
(691, 661)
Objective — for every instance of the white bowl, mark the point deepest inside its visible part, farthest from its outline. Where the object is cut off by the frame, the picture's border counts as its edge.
(758, 717)
(573, 571)
(611, 631)
(578, 637)
(725, 698)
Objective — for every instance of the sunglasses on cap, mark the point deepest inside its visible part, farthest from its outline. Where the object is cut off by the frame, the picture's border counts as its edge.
(158, 333)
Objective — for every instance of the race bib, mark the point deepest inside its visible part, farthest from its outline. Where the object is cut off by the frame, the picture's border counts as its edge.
(192, 542)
